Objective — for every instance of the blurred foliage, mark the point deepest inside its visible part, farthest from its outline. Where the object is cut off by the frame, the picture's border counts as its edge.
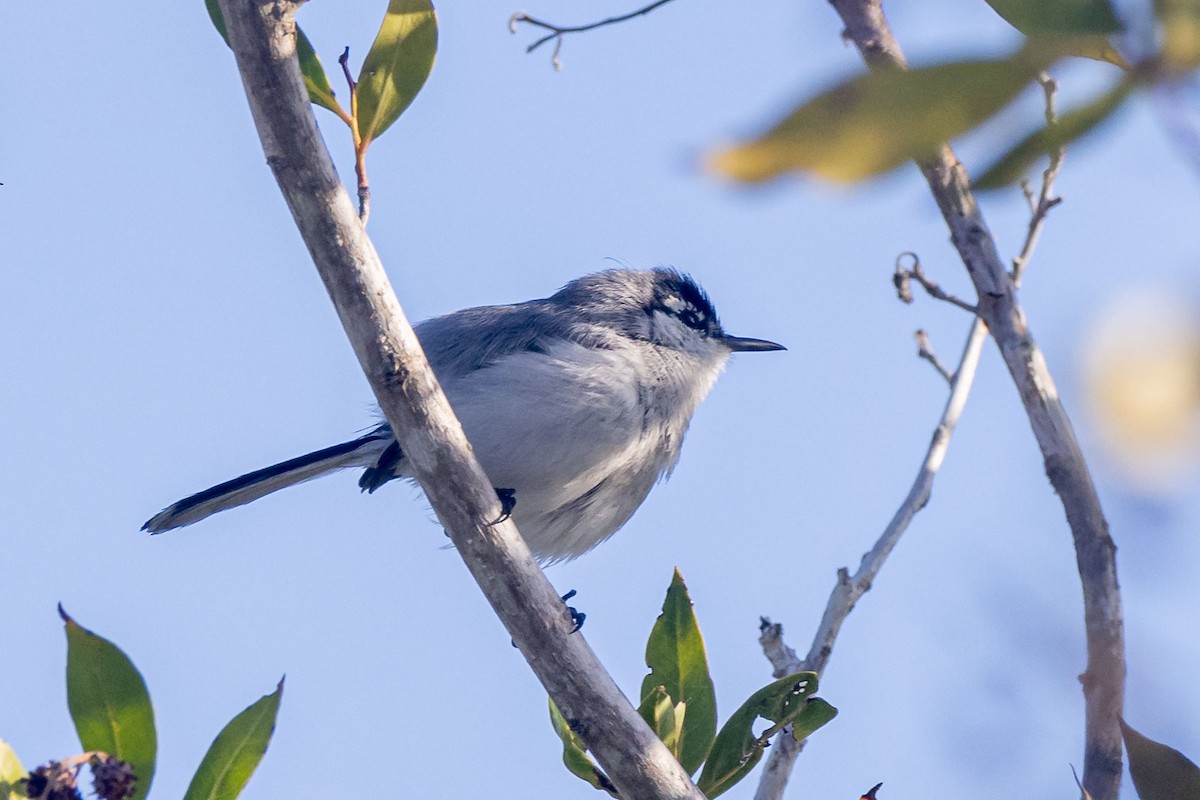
(679, 703)
(872, 123)
(11, 774)
(1141, 368)
(111, 709)
(878, 121)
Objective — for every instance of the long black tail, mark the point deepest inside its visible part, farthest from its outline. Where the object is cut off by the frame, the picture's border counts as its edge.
(361, 452)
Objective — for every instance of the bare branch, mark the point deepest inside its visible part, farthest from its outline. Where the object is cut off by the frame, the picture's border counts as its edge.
(1045, 200)
(1104, 679)
(904, 275)
(558, 31)
(850, 588)
(784, 660)
(262, 34)
(923, 351)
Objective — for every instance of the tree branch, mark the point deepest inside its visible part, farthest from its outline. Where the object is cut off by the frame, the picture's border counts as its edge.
(1040, 204)
(1104, 679)
(903, 277)
(926, 352)
(558, 31)
(263, 36)
(849, 589)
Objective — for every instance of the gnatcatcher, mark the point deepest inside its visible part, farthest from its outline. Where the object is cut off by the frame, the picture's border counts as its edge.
(576, 405)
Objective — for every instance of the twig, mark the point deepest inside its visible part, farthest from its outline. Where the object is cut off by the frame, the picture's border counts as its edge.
(360, 152)
(924, 351)
(904, 275)
(558, 31)
(1104, 678)
(850, 588)
(263, 35)
(1040, 204)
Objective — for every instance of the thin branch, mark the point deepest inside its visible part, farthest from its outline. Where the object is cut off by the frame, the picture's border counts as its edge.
(914, 273)
(1045, 200)
(850, 588)
(360, 152)
(262, 34)
(1104, 678)
(558, 31)
(924, 351)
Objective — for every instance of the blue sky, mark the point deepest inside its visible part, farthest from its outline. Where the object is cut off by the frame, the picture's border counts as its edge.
(163, 330)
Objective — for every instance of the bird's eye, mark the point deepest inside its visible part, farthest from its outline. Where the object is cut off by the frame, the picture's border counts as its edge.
(695, 318)
(692, 318)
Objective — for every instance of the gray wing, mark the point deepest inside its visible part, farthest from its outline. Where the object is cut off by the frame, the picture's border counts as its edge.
(460, 343)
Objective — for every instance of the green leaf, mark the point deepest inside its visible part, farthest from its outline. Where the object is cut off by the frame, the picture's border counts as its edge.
(218, 18)
(1097, 48)
(575, 755)
(1159, 772)
(877, 121)
(1068, 17)
(815, 714)
(315, 80)
(11, 772)
(397, 65)
(109, 702)
(677, 661)
(1073, 27)
(663, 717)
(737, 750)
(1071, 126)
(234, 755)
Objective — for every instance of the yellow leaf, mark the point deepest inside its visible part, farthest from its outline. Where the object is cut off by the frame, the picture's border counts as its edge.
(875, 122)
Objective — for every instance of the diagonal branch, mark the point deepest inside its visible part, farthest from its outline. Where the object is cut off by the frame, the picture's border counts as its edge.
(1104, 678)
(850, 588)
(262, 34)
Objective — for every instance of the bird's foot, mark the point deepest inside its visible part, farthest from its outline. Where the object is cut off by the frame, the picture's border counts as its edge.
(577, 616)
(508, 501)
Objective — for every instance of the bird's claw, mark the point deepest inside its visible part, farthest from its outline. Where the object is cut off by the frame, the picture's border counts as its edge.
(508, 501)
(577, 616)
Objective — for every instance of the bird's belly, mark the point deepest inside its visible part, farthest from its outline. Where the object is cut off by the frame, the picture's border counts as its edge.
(563, 515)
(570, 437)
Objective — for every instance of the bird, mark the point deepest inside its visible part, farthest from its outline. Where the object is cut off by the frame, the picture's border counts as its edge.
(576, 405)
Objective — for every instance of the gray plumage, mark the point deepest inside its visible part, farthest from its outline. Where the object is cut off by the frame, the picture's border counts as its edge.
(578, 402)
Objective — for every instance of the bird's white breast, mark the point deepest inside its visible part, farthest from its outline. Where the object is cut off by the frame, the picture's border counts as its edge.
(581, 434)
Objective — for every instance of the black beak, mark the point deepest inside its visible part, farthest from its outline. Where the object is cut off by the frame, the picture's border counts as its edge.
(739, 344)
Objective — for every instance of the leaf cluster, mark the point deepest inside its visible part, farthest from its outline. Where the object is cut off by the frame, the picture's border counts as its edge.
(395, 69)
(113, 716)
(679, 704)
